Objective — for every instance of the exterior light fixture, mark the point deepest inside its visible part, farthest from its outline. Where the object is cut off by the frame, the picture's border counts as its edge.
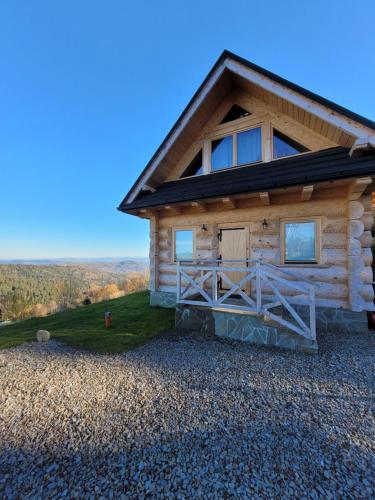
(264, 224)
(203, 228)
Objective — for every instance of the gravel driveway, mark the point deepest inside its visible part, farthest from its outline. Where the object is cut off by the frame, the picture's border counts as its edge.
(189, 417)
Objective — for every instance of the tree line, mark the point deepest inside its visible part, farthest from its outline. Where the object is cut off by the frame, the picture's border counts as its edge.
(33, 290)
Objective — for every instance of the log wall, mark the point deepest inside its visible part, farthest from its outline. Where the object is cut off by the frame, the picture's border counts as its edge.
(344, 272)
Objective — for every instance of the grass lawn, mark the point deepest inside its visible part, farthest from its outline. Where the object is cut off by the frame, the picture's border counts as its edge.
(134, 322)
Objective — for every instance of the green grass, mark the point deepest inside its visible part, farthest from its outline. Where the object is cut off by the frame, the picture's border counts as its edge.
(134, 322)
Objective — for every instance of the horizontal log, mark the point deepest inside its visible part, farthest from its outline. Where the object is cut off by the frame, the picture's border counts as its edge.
(335, 256)
(206, 254)
(334, 240)
(356, 209)
(368, 220)
(367, 256)
(165, 233)
(325, 291)
(333, 274)
(356, 228)
(334, 225)
(366, 239)
(355, 265)
(366, 200)
(165, 255)
(267, 241)
(167, 268)
(354, 247)
(165, 244)
(367, 275)
(270, 255)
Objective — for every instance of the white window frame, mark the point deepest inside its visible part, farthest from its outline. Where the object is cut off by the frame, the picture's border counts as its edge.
(318, 241)
(182, 228)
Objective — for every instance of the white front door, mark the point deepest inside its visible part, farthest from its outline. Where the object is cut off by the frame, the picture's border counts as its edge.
(233, 246)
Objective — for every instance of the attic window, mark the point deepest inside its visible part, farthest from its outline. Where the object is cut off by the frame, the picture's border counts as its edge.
(234, 113)
(195, 167)
(285, 146)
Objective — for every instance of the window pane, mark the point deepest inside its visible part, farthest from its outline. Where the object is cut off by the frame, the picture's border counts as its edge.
(222, 153)
(285, 146)
(234, 113)
(184, 245)
(195, 167)
(300, 241)
(249, 146)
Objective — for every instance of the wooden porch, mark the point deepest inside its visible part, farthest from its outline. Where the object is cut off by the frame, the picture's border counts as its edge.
(252, 286)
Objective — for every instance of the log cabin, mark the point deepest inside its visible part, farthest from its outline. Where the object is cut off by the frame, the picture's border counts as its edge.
(260, 208)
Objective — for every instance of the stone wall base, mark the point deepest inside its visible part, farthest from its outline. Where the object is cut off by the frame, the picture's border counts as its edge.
(336, 320)
(163, 299)
(245, 327)
(327, 319)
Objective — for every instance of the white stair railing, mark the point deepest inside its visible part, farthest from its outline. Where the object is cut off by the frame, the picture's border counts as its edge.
(258, 289)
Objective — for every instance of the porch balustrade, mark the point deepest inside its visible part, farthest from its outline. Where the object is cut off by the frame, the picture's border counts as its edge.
(256, 286)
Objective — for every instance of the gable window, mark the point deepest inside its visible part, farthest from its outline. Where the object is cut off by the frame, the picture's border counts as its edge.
(222, 153)
(300, 241)
(195, 167)
(234, 113)
(249, 146)
(183, 244)
(285, 146)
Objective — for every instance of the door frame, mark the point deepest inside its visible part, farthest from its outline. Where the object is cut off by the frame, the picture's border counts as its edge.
(233, 226)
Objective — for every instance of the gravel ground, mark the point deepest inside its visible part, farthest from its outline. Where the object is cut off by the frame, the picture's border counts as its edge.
(188, 417)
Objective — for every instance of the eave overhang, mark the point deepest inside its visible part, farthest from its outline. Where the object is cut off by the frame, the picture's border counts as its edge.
(303, 170)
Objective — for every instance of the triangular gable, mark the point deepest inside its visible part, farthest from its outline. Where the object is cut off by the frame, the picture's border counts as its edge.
(213, 90)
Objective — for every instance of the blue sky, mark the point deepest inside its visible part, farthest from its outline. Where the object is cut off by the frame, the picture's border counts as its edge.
(89, 89)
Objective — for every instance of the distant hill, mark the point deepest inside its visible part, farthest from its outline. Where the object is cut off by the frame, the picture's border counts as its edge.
(61, 284)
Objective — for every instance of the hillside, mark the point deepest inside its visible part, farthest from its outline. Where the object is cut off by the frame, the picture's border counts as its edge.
(134, 323)
(26, 289)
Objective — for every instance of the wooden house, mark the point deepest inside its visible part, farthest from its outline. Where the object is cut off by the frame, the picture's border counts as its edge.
(259, 201)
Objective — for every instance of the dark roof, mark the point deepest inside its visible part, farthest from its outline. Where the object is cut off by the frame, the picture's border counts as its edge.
(329, 164)
(227, 54)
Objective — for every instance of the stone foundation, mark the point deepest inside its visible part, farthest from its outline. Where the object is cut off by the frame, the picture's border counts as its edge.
(245, 327)
(163, 299)
(337, 320)
(327, 319)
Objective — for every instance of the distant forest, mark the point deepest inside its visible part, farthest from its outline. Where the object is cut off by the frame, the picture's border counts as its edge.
(38, 290)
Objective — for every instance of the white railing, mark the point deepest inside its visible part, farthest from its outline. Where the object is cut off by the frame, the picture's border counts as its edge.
(260, 288)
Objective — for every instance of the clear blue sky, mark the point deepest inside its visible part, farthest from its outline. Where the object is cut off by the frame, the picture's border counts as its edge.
(88, 90)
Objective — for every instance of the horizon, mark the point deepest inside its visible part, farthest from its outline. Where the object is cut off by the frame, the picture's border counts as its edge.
(89, 91)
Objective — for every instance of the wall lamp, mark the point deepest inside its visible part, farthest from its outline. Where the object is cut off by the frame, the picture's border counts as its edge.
(203, 228)
(264, 224)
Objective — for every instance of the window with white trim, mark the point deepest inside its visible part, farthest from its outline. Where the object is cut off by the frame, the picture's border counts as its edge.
(300, 241)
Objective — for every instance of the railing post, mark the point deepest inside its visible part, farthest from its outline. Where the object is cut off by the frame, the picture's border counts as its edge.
(214, 286)
(178, 281)
(258, 285)
(312, 312)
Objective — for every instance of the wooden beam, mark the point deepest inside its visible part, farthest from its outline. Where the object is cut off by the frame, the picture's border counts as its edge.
(265, 198)
(147, 187)
(306, 193)
(173, 209)
(229, 203)
(357, 187)
(145, 213)
(199, 205)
